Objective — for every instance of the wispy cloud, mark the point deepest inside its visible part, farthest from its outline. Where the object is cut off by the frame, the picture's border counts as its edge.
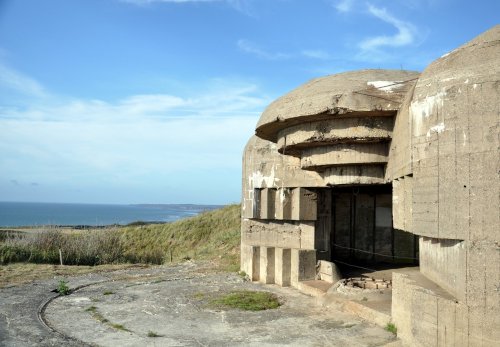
(159, 138)
(12, 79)
(343, 5)
(250, 47)
(316, 54)
(405, 35)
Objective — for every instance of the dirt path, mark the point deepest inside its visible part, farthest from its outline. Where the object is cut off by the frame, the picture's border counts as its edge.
(168, 306)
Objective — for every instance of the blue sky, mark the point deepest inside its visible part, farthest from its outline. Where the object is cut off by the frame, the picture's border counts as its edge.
(152, 101)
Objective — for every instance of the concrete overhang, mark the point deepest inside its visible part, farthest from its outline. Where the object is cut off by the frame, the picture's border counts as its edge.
(361, 93)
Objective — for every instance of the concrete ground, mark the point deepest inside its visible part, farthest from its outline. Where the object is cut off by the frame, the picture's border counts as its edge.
(128, 307)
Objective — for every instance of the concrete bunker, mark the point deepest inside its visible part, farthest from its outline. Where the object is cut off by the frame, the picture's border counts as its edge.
(320, 187)
(380, 169)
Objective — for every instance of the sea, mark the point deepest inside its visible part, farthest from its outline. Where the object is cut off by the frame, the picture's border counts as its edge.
(15, 214)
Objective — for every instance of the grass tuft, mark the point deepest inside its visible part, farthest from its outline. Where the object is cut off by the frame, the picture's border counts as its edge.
(91, 309)
(391, 327)
(247, 300)
(100, 318)
(118, 327)
(153, 334)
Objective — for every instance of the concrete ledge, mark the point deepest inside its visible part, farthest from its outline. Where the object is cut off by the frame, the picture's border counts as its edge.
(314, 287)
(368, 313)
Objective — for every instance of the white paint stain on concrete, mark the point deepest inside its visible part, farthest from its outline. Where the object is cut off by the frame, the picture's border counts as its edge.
(436, 129)
(386, 86)
(258, 180)
(421, 109)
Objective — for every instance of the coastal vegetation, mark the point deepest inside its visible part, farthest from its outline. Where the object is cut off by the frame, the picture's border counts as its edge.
(247, 300)
(212, 235)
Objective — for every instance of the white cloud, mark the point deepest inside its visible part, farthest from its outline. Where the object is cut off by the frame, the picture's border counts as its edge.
(405, 35)
(344, 5)
(136, 143)
(249, 47)
(316, 54)
(14, 80)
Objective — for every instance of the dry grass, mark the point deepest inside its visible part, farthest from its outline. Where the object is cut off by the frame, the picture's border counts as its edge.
(212, 235)
(92, 247)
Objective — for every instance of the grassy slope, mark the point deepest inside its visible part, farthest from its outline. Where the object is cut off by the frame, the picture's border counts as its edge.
(209, 235)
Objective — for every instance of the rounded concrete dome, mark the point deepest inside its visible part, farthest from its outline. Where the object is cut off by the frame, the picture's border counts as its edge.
(355, 93)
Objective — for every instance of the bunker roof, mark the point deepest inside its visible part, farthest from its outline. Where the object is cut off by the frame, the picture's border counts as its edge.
(354, 93)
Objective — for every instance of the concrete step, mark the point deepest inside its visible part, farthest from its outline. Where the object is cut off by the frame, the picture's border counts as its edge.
(314, 287)
(368, 313)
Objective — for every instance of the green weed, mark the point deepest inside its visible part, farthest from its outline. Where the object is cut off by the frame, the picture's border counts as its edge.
(248, 300)
(153, 334)
(119, 327)
(391, 327)
(62, 288)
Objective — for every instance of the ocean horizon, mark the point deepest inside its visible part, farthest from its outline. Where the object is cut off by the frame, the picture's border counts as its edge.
(32, 214)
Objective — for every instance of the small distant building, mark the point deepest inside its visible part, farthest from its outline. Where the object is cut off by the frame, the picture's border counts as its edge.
(387, 168)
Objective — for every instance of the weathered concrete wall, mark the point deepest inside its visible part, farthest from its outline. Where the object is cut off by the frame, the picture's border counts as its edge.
(455, 123)
(283, 234)
(264, 167)
(424, 317)
(400, 149)
(345, 153)
(303, 266)
(328, 272)
(342, 130)
(402, 203)
(443, 261)
(455, 126)
(354, 174)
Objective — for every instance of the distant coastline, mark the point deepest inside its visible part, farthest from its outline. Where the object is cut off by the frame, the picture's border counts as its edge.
(35, 214)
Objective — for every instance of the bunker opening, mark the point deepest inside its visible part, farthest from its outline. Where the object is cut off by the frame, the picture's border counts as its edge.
(354, 229)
